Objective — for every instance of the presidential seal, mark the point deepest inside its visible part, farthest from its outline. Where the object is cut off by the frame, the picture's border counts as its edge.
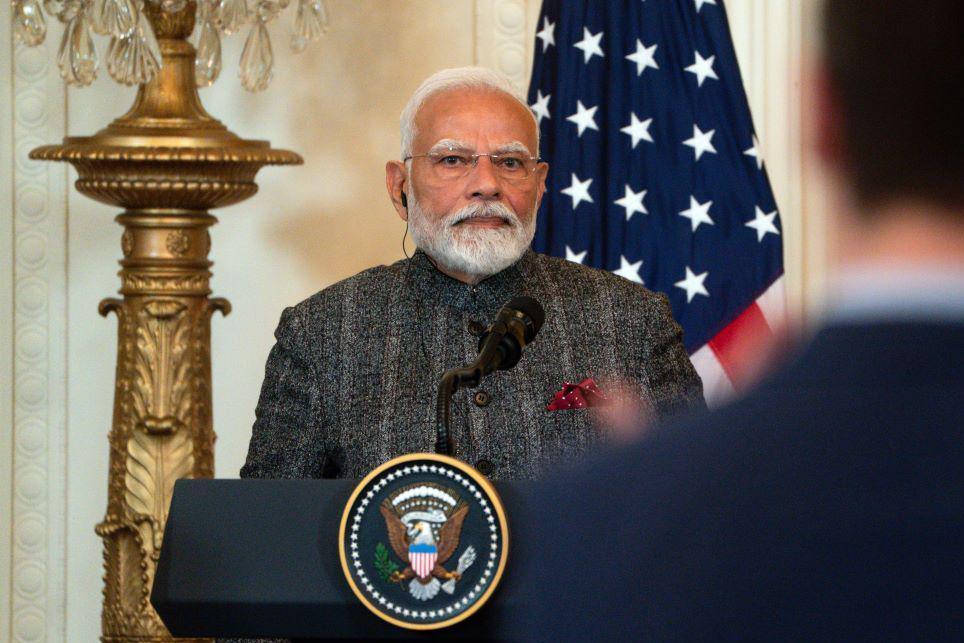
(423, 541)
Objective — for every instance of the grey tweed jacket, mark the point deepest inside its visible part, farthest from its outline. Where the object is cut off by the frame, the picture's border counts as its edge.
(351, 381)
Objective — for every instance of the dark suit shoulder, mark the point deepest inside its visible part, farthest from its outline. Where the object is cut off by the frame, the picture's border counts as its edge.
(824, 476)
(369, 286)
(869, 383)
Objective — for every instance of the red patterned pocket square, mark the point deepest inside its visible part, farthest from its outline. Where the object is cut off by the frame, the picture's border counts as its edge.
(577, 396)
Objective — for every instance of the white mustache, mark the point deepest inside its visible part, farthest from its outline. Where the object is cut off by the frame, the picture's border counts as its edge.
(484, 210)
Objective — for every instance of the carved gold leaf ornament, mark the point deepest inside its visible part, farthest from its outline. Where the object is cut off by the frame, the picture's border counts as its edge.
(178, 243)
(136, 284)
(161, 370)
(164, 308)
(161, 395)
(154, 464)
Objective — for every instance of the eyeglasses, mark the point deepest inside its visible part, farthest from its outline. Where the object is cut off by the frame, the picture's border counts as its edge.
(455, 163)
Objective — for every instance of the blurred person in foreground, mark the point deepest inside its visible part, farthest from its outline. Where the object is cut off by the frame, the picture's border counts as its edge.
(828, 502)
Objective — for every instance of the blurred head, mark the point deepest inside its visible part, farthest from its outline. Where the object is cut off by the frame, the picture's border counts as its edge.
(891, 101)
(473, 213)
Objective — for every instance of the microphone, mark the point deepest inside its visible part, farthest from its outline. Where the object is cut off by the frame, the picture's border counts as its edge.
(500, 348)
(516, 325)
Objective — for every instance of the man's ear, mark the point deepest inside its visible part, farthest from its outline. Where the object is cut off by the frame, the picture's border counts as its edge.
(542, 171)
(396, 181)
(827, 119)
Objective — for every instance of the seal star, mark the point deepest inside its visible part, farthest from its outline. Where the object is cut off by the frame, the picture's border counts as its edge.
(703, 68)
(579, 191)
(763, 223)
(638, 130)
(584, 118)
(629, 270)
(698, 213)
(700, 3)
(548, 33)
(590, 45)
(575, 257)
(693, 284)
(701, 141)
(541, 107)
(643, 57)
(632, 202)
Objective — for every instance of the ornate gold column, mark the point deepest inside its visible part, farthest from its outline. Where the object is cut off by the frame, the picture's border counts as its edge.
(166, 162)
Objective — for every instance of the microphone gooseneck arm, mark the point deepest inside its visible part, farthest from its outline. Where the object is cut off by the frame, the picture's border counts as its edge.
(455, 379)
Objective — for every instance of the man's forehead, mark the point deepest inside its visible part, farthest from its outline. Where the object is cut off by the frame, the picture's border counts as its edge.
(460, 113)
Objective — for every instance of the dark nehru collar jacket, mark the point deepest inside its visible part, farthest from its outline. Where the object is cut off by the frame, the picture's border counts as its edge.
(351, 381)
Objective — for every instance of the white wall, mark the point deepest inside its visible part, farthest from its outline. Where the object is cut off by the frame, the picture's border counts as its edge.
(336, 104)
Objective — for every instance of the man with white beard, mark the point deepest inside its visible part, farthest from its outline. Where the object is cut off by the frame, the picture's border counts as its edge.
(352, 379)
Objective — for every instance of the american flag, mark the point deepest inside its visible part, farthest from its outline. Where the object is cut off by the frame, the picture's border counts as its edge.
(655, 169)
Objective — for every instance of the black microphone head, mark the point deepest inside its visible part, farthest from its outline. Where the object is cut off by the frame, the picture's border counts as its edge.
(533, 312)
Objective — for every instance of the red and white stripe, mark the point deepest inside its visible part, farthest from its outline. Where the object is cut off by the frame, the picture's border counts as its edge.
(726, 361)
(423, 563)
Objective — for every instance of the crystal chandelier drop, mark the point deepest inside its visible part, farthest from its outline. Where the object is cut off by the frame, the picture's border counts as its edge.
(133, 54)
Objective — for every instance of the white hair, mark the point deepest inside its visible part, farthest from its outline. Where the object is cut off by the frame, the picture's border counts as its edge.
(457, 78)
